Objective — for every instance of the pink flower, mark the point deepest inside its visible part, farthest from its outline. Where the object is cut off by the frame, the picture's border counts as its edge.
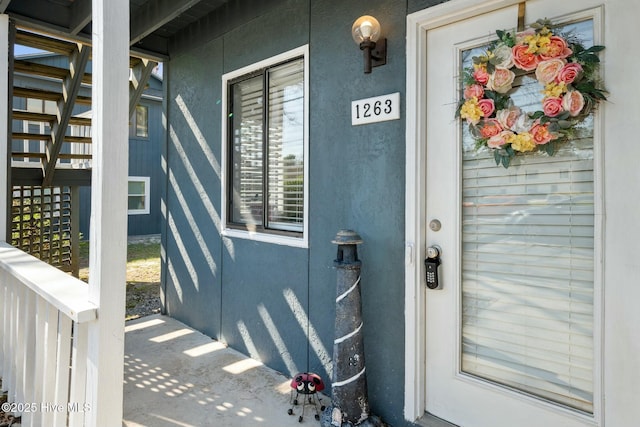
(557, 48)
(481, 76)
(552, 106)
(573, 102)
(501, 80)
(569, 73)
(541, 134)
(489, 128)
(473, 91)
(508, 117)
(548, 70)
(487, 106)
(523, 59)
(500, 139)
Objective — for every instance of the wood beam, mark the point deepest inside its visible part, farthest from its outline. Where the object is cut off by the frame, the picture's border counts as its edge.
(139, 78)
(71, 87)
(108, 231)
(80, 15)
(33, 176)
(49, 118)
(154, 14)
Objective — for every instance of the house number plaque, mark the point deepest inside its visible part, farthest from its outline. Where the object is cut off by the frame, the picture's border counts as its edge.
(376, 109)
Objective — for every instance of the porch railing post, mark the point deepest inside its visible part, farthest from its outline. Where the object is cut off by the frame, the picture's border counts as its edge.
(108, 229)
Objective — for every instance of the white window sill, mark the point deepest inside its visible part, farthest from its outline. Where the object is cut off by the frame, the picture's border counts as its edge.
(275, 239)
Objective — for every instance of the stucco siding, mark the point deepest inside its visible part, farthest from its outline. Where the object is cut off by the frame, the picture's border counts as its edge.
(274, 302)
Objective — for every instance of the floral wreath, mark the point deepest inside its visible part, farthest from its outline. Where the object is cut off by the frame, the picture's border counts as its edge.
(561, 64)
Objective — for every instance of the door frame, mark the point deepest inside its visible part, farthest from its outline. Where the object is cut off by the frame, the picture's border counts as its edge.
(418, 24)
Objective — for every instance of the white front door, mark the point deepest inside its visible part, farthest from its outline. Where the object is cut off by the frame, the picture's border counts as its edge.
(512, 337)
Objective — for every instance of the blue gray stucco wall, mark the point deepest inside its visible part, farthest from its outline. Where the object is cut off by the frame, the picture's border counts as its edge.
(144, 161)
(273, 302)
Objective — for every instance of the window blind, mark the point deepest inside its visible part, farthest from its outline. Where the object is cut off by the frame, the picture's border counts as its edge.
(527, 268)
(286, 138)
(268, 124)
(247, 151)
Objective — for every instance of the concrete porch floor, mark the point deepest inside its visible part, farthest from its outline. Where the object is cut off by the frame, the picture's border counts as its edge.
(174, 376)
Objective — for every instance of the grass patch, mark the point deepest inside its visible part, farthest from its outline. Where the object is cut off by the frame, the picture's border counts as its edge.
(143, 276)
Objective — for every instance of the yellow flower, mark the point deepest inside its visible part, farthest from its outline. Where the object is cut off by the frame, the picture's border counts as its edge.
(482, 65)
(543, 42)
(532, 41)
(554, 90)
(537, 42)
(522, 142)
(471, 111)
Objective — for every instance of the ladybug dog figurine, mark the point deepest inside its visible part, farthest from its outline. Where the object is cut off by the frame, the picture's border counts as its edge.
(308, 384)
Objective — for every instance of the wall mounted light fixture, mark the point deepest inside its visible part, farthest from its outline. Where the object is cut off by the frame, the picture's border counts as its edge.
(366, 32)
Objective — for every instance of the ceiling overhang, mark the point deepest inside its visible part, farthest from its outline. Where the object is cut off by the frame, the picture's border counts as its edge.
(154, 23)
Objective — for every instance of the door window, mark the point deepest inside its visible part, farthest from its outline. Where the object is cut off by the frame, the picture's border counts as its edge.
(527, 261)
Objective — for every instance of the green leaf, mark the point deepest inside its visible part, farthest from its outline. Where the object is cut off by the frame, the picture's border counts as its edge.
(536, 115)
(563, 116)
(497, 156)
(506, 160)
(510, 151)
(596, 48)
(550, 148)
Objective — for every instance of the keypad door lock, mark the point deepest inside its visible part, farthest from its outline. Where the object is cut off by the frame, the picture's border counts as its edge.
(431, 267)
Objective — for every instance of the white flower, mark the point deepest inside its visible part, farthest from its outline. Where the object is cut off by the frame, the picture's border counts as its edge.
(523, 124)
(503, 58)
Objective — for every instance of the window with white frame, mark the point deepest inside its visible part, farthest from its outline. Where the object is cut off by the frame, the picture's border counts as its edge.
(266, 146)
(140, 122)
(138, 195)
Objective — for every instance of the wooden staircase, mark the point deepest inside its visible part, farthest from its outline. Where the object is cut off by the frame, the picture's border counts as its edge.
(51, 142)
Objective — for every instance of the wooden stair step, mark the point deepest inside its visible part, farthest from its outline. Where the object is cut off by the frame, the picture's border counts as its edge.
(48, 118)
(60, 156)
(78, 139)
(42, 42)
(47, 95)
(33, 68)
(31, 136)
(47, 137)
(29, 155)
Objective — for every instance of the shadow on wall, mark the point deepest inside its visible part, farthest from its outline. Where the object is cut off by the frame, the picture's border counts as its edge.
(188, 252)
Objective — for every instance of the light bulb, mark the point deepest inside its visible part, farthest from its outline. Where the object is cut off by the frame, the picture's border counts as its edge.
(365, 27)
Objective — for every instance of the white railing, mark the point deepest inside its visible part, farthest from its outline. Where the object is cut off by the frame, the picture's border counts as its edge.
(43, 340)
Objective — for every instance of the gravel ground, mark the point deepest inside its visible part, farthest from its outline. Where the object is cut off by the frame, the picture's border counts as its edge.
(143, 299)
